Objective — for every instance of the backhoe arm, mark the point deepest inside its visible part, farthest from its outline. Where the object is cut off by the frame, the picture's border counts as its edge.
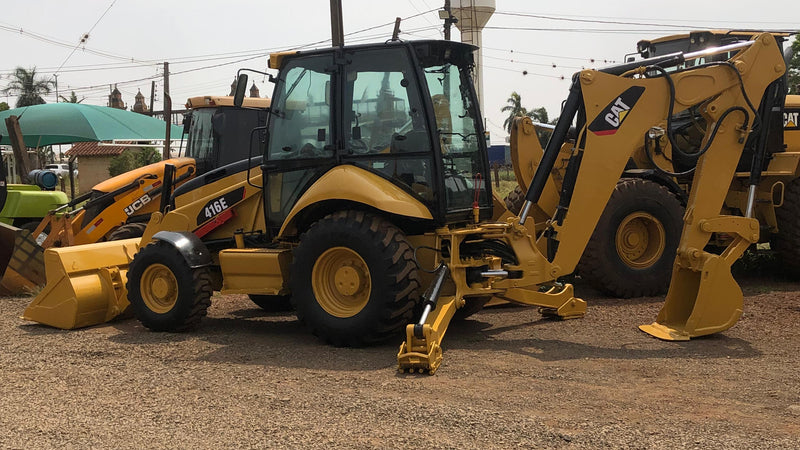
(614, 109)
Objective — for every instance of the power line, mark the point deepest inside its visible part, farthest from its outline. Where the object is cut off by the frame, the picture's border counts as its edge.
(573, 16)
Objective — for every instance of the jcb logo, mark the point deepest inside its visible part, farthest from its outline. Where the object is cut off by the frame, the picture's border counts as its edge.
(614, 114)
(137, 205)
(790, 119)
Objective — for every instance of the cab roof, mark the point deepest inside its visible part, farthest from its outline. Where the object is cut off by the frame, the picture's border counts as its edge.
(211, 101)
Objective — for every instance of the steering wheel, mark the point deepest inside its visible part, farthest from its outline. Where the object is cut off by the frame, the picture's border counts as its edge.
(359, 147)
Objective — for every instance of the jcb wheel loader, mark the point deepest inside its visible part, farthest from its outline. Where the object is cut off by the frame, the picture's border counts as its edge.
(120, 207)
(374, 169)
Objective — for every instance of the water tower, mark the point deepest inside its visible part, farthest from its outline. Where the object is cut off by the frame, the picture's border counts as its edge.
(472, 16)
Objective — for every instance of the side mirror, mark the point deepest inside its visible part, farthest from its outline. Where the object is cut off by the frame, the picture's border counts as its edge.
(241, 87)
(187, 122)
(328, 93)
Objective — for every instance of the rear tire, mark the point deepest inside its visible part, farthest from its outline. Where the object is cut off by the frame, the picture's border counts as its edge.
(787, 242)
(632, 249)
(354, 279)
(128, 231)
(164, 292)
(272, 303)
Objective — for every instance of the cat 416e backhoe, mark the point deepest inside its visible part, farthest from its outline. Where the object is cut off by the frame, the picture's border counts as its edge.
(374, 168)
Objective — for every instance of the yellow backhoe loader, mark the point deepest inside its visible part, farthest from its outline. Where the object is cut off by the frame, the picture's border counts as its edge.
(120, 207)
(631, 251)
(373, 183)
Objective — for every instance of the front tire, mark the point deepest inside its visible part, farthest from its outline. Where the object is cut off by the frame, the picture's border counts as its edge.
(354, 279)
(632, 249)
(164, 292)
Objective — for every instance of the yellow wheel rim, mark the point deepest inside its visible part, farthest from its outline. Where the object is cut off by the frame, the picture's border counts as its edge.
(159, 288)
(640, 240)
(341, 282)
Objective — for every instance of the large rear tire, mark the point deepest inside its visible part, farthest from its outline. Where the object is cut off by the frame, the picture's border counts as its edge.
(164, 292)
(354, 279)
(786, 242)
(632, 249)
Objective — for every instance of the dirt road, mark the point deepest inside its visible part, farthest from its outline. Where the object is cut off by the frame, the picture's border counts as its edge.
(509, 379)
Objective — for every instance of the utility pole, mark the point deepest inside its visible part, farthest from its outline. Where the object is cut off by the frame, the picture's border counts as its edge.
(152, 95)
(448, 21)
(167, 112)
(55, 75)
(337, 24)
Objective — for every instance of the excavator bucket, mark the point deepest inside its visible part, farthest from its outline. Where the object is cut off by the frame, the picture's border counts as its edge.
(21, 261)
(703, 296)
(85, 284)
(698, 303)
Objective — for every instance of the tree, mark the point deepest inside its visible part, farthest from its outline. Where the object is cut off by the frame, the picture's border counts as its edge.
(515, 109)
(29, 88)
(794, 67)
(132, 159)
(72, 98)
(4, 106)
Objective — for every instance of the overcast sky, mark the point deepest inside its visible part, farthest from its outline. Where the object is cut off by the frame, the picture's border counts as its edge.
(206, 41)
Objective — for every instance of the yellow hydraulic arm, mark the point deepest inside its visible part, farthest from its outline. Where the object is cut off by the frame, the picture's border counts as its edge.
(615, 109)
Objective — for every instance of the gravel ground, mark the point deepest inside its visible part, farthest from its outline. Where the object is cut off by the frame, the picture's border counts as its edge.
(248, 378)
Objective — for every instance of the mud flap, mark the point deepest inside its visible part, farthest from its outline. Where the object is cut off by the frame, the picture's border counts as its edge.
(21, 261)
(85, 284)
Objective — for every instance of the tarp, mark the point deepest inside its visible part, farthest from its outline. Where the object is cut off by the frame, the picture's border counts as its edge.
(66, 123)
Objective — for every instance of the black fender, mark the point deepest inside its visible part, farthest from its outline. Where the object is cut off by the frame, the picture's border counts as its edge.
(193, 250)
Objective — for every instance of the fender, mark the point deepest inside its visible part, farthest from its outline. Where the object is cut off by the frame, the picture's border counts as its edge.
(351, 183)
(193, 250)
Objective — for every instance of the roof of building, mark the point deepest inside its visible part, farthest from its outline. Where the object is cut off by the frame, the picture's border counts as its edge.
(94, 149)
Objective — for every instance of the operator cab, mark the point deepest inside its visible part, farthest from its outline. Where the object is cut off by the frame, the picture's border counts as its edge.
(218, 133)
(405, 111)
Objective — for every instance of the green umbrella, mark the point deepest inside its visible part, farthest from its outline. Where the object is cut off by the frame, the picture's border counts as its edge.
(65, 123)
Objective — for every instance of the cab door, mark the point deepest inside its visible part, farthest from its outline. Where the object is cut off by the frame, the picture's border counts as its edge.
(301, 145)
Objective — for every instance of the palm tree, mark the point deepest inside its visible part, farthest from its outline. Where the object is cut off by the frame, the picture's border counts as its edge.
(515, 109)
(29, 89)
(72, 98)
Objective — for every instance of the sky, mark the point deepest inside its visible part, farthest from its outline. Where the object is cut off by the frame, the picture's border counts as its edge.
(530, 47)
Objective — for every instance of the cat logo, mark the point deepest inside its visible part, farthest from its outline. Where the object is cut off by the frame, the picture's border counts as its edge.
(611, 117)
(137, 205)
(790, 119)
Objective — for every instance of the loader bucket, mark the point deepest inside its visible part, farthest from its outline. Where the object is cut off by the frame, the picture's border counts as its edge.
(85, 284)
(21, 261)
(699, 302)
